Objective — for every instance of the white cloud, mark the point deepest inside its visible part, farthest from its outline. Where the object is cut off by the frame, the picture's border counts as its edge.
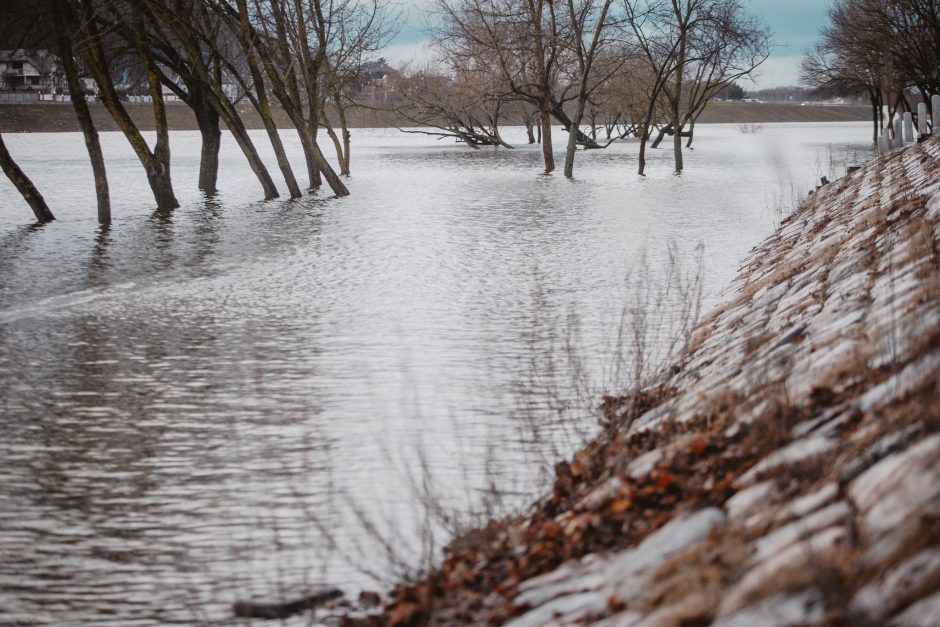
(776, 72)
(416, 54)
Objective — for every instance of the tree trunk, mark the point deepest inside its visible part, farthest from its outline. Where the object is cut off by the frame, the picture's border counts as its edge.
(159, 174)
(343, 155)
(677, 96)
(340, 145)
(528, 130)
(80, 104)
(316, 162)
(156, 162)
(642, 158)
(313, 174)
(337, 147)
(240, 134)
(690, 134)
(328, 173)
(874, 116)
(546, 126)
(207, 118)
(30, 194)
(283, 163)
(666, 130)
(573, 137)
(558, 111)
(263, 105)
(264, 111)
(677, 148)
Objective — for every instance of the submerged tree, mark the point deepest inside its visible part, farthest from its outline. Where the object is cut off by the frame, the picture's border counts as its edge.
(460, 107)
(693, 48)
(24, 185)
(523, 39)
(61, 18)
(354, 31)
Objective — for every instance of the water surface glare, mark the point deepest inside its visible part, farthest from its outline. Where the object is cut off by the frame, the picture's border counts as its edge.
(214, 403)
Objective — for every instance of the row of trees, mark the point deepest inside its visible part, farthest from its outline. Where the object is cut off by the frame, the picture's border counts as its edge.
(886, 49)
(626, 67)
(300, 55)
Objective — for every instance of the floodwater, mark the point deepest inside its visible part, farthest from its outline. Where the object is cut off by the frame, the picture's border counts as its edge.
(246, 398)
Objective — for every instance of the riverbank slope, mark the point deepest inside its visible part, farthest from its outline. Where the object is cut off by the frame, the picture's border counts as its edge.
(51, 117)
(786, 470)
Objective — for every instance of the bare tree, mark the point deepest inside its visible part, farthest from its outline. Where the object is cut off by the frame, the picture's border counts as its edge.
(456, 107)
(90, 42)
(882, 48)
(692, 48)
(44, 23)
(725, 46)
(355, 31)
(283, 43)
(524, 40)
(589, 25)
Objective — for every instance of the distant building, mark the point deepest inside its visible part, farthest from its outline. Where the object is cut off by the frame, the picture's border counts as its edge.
(25, 70)
(38, 72)
(375, 70)
(375, 83)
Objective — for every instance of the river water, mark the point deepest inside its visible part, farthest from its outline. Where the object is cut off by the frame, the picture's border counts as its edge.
(247, 398)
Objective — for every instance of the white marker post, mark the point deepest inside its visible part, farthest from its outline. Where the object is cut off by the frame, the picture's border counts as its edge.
(882, 144)
(908, 127)
(935, 107)
(922, 127)
(898, 132)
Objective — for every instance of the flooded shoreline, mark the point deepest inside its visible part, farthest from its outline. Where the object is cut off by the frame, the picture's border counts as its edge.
(191, 401)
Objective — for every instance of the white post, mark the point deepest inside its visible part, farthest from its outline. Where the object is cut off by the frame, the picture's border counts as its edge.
(922, 128)
(935, 107)
(908, 127)
(898, 132)
(882, 144)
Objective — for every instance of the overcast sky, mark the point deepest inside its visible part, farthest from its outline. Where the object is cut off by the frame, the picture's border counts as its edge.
(795, 24)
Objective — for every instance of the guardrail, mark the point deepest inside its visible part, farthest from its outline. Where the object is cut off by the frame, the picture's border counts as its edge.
(902, 131)
(19, 96)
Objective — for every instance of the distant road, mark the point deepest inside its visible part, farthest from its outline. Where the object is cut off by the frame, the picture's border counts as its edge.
(48, 117)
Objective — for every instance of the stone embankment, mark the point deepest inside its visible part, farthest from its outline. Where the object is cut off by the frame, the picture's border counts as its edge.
(786, 471)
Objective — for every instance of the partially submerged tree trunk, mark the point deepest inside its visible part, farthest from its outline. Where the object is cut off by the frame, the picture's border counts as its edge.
(546, 127)
(341, 140)
(22, 183)
(207, 119)
(677, 94)
(80, 104)
(159, 174)
(559, 114)
(573, 138)
(661, 134)
(875, 114)
(286, 88)
(263, 105)
(156, 163)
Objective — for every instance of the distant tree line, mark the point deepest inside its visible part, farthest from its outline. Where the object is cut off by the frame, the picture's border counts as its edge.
(301, 55)
(602, 69)
(888, 50)
(644, 68)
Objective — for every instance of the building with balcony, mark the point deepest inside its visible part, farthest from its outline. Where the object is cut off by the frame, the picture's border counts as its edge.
(28, 70)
